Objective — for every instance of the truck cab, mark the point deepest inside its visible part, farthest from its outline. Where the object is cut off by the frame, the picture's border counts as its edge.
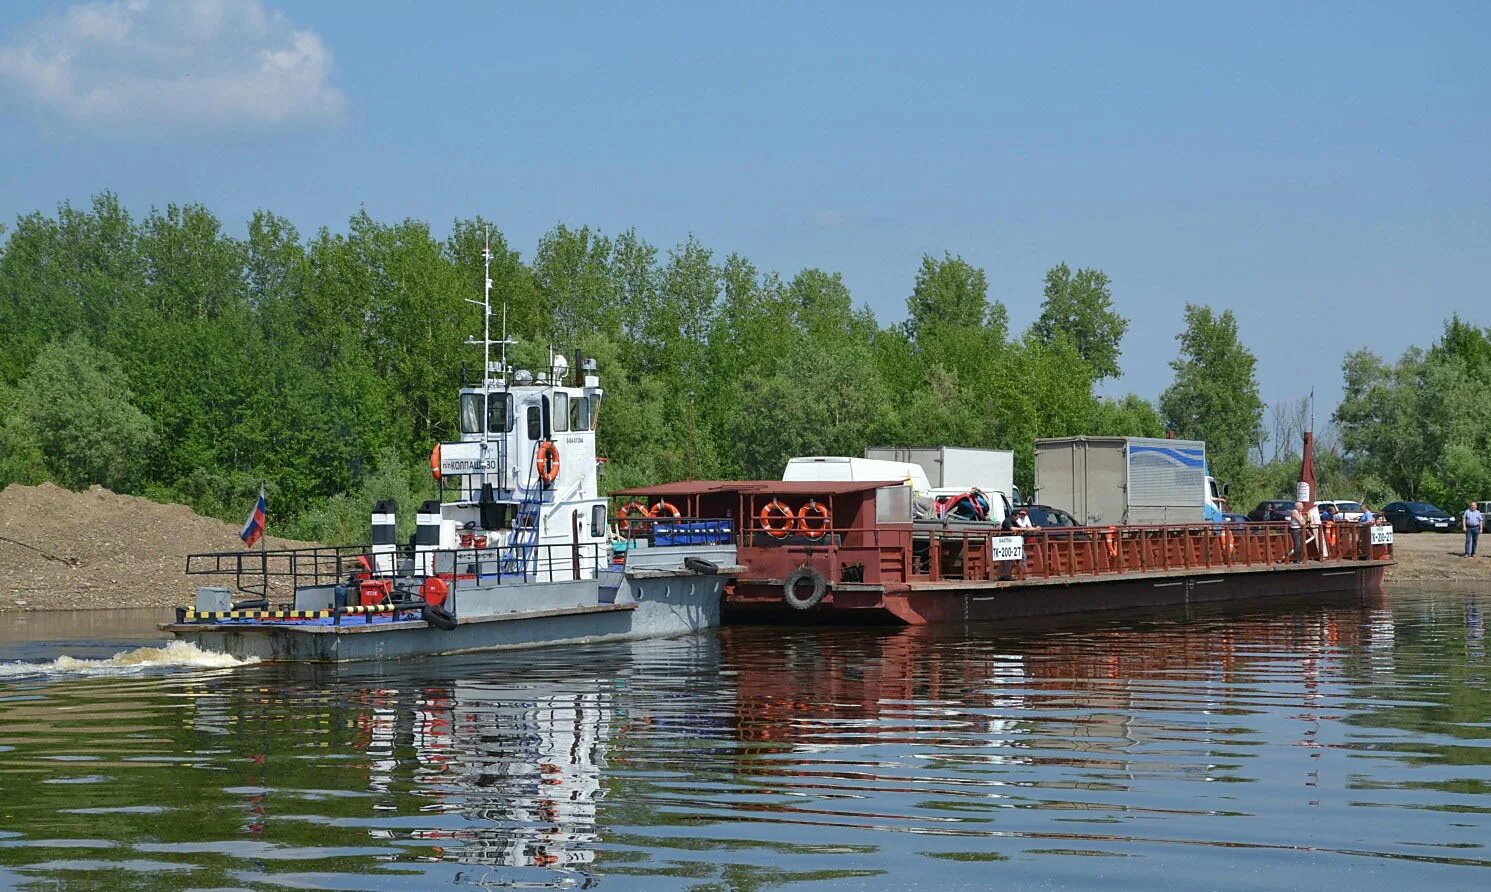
(1214, 505)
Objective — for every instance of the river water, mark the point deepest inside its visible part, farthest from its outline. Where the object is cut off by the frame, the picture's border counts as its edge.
(1321, 747)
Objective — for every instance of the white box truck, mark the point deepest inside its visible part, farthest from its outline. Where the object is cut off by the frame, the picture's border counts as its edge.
(956, 469)
(1127, 480)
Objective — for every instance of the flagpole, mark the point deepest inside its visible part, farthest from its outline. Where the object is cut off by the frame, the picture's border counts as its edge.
(264, 543)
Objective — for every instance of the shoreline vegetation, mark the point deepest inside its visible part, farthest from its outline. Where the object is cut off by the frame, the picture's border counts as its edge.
(159, 356)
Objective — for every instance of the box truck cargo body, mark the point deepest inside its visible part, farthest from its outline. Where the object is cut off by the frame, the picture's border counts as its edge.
(1126, 480)
(957, 468)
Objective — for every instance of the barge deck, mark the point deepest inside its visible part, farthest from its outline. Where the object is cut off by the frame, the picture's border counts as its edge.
(867, 562)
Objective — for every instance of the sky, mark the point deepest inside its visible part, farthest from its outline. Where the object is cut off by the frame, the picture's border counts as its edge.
(1322, 170)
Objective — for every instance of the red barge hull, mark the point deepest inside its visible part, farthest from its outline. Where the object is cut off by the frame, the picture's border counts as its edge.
(878, 567)
(979, 601)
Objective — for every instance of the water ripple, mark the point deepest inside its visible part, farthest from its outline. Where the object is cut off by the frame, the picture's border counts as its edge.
(1315, 745)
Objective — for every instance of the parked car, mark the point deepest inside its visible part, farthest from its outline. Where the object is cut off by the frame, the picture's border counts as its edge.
(1351, 512)
(1417, 517)
(1046, 516)
(1229, 517)
(1272, 509)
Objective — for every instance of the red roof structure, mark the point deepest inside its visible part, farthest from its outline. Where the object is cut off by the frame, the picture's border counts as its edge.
(772, 487)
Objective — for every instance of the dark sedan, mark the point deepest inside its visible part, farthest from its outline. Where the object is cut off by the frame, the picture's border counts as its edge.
(1419, 517)
(1046, 516)
(1272, 509)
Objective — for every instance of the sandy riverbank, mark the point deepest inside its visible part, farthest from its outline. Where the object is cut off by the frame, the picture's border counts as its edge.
(1436, 557)
(98, 550)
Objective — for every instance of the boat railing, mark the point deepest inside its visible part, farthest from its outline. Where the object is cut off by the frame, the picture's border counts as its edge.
(899, 553)
(280, 571)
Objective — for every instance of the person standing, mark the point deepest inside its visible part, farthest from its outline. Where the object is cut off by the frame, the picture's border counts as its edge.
(1317, 531)
(1297, 530)
(1473, 521)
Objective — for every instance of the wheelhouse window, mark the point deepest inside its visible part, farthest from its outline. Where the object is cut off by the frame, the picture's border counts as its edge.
(561, 411)
(579, 413)
(598, 521)
(535, 423)
(471, 413)
(499, 418)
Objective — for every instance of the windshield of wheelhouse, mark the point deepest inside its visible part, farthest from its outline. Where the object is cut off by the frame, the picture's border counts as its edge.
(471, 413)
(499, 419)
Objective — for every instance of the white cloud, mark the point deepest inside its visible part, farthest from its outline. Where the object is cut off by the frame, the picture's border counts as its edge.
(172, 67)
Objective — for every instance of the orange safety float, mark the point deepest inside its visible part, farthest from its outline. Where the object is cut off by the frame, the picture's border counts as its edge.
(1110, 538)
(774, 511)
(546, 461)
(1330, 534)
(435, 462)
(666, 507)
(435, 590)
(810, 510)
(632, 509)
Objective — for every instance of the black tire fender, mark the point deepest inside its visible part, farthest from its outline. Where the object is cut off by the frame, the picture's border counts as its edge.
(701, 566)
(798, 577)
(438, 617)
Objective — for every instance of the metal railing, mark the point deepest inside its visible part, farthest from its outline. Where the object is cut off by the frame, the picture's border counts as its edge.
(277, 572)
(906, 554)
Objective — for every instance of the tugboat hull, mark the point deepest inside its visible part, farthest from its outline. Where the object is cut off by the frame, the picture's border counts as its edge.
(675, 604)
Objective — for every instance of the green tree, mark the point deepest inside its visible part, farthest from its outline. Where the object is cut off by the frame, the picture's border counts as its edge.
(1214, 396)
(1079, 307)
(74, 406)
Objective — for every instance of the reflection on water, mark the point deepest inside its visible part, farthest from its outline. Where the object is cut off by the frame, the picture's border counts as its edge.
(1305, 746)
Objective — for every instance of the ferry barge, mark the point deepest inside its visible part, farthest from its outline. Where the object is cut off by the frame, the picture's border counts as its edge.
(850, 551)
(518, 551)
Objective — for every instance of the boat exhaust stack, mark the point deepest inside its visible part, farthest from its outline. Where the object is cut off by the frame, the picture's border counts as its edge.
(426, 537)
(383, 536)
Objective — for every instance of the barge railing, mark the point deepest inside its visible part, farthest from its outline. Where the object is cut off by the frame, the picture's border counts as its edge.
(901, 553)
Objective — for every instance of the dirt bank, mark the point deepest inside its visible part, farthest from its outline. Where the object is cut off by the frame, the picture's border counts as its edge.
(63, 550)
(1436, 556)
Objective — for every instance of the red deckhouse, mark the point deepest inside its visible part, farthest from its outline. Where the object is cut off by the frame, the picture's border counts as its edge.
(850, 550)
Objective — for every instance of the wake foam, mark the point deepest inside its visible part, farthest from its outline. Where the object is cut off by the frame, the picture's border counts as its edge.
(174, 655)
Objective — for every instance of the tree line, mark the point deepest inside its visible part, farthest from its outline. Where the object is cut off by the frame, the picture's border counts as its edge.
(165, 357)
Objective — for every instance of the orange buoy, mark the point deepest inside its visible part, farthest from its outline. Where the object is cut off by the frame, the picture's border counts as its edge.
(776, 510)
(546, 461)
(810, 510)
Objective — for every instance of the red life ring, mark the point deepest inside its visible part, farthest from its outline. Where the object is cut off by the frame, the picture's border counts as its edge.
(668, 508)
(816, 510)
(546, 461)
(775, 509)
(435, 462)
(435, 591)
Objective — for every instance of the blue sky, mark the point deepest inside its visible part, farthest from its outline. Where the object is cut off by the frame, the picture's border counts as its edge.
(1321, 170)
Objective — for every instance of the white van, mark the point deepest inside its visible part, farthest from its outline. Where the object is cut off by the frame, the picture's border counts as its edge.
(837, 468)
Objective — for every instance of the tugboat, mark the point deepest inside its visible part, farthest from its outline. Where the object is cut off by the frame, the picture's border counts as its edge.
(518, 551)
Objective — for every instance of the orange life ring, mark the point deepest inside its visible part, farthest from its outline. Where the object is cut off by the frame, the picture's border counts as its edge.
(435, 462)
(632, 509)
(435, 591)
(1330, 534)
(665, 507)
(775, 508)
(1110, 538)
(817, 510)
(546, 461)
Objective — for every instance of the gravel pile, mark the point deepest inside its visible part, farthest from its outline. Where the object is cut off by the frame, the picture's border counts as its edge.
(64, 550)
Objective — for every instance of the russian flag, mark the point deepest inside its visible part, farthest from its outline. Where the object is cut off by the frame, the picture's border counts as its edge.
(253, 528)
